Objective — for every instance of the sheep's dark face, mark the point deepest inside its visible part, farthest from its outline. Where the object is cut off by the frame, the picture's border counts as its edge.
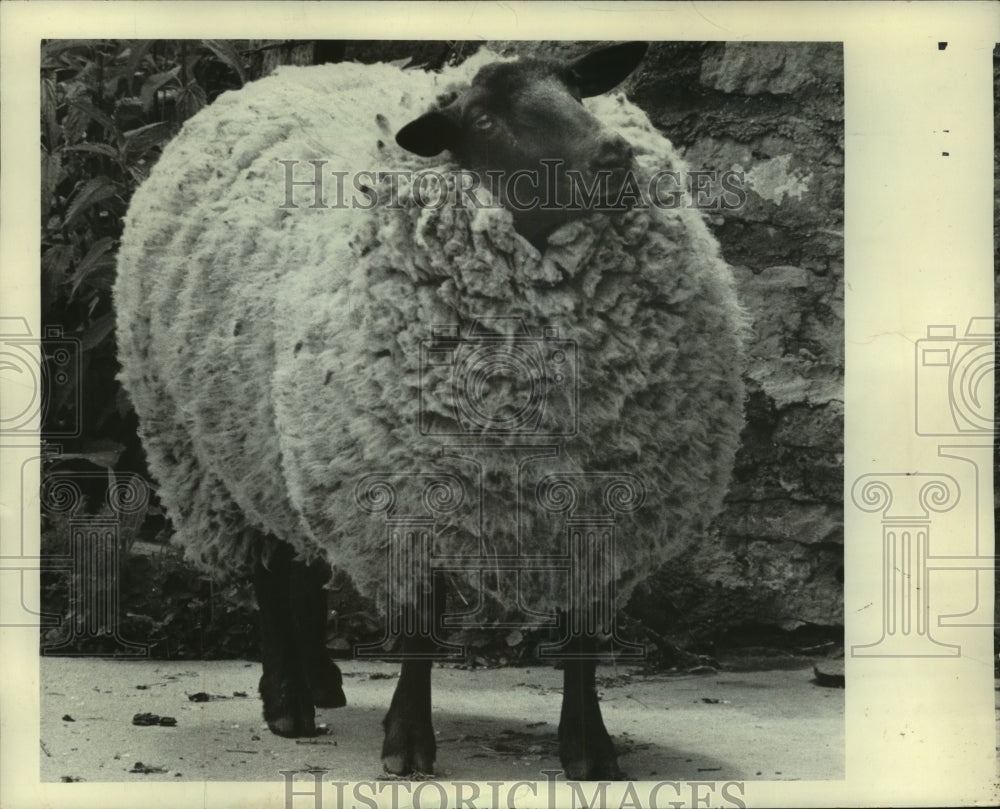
(522, 127)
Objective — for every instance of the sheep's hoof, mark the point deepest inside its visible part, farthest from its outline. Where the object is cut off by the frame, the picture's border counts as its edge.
(288, 710)
(292, 727)
(596, 770)
(589, 757)
(326, 687)
(328, 696)
(408, 749)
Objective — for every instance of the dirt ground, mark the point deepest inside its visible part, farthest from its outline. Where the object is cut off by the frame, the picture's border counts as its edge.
(490, 724)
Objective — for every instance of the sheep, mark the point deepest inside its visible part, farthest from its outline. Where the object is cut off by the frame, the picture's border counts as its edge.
(276, 343)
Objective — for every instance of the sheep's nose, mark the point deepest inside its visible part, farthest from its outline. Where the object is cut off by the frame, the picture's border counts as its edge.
(613, 152)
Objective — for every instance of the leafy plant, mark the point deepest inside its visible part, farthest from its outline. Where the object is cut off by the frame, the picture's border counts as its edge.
(107, 109)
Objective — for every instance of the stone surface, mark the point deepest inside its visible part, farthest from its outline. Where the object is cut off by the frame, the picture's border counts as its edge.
(775, 112)
(748, 69)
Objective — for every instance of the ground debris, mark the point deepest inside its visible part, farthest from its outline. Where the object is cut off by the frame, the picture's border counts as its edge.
(321, 731)
(146, 769)
(830, 674)
(201, 696)
(148, 719)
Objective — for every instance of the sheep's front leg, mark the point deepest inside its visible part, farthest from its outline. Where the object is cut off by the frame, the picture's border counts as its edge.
(409, 744)
(309, 615)
(297, 672)
(585, 748)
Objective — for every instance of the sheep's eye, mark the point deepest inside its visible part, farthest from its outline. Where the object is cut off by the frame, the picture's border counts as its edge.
(483, 122)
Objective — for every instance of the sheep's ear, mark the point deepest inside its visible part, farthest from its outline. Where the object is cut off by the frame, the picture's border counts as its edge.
(602, 69)
(430, 134)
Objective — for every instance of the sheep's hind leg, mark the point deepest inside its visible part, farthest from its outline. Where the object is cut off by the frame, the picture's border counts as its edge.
(284, 685)
(409, 744)
(585, 748)
(309, 613)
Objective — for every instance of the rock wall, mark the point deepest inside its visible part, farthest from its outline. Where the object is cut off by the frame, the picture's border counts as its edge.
(775, 112)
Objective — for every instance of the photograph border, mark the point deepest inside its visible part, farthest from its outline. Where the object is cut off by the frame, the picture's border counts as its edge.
(918, 256)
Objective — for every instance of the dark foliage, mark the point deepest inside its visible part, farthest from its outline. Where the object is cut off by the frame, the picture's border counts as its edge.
(165, 604)
(107, 109)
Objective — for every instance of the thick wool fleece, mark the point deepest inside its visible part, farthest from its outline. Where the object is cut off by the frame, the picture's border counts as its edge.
(283, 361)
